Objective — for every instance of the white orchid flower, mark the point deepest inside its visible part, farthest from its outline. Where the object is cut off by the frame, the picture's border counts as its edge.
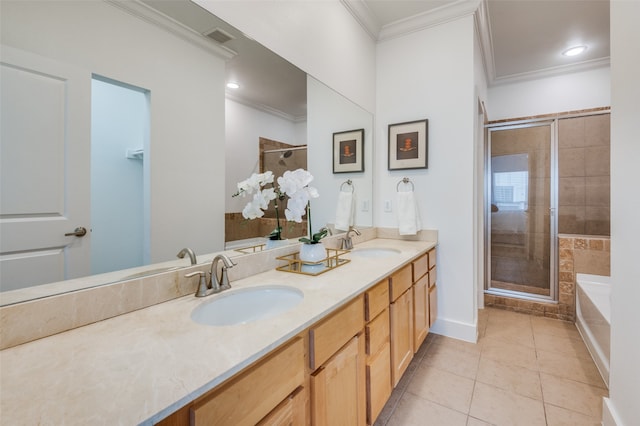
(262, 198)
(255, 182)
(294, 184)
(296, 208)
(293, 181)
(252, 211)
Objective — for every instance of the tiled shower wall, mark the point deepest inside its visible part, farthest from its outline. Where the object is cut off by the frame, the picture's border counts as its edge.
(237, 227)
(583, 175)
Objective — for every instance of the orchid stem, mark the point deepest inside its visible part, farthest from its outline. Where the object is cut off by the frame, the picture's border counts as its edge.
(309, 220)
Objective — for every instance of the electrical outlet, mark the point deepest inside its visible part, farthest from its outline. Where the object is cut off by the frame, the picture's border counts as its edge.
(387, 206)
(365, 206)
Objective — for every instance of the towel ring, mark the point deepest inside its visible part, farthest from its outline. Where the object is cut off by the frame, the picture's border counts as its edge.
(348, 182)
(405, 181)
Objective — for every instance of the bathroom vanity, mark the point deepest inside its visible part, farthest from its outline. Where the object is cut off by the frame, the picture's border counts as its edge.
(333, 358)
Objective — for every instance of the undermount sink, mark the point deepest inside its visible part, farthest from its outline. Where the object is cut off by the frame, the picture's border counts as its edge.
(242, 306)
(375, 252)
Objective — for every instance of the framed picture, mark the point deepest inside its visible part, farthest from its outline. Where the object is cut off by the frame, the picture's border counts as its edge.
(348, 151)
(408, 145)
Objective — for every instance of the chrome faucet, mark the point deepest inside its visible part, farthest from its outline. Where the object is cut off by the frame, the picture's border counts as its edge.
(215, 284)
(191, 254)
(347, 242)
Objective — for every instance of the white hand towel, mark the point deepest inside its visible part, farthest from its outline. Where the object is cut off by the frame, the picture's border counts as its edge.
(344, 211)
(408, 216)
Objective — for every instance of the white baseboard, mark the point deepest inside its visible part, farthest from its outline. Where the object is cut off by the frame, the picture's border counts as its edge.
(609, 414)
(456, 329)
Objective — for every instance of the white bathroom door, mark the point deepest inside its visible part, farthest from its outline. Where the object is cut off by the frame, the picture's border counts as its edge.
(44, 175)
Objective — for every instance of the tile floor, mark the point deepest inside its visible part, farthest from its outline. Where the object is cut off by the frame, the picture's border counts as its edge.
(524, 370)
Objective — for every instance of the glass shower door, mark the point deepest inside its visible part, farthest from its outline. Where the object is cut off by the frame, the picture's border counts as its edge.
(521, 237)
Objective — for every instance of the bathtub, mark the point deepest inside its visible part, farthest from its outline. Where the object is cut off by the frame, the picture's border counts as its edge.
(593, 318)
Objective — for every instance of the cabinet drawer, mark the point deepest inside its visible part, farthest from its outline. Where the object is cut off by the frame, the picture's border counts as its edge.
(401, 281)
(378, 382)
(377, 332)
(432, 276)
(260, 389)
(432, 258)
(376, 299)
(433, 305)
(420, 266)
(289, 413)
(326, 337)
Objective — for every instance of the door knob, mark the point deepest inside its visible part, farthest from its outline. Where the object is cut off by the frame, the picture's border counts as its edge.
(78, 232)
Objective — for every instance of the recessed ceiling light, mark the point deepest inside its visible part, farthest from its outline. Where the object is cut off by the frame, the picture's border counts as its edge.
(233, 85)
(575, 50)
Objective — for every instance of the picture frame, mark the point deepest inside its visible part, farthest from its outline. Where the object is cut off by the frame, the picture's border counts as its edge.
(348, 151)
(408, 145)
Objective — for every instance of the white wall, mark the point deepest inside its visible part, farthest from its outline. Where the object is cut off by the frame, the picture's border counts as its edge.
(330, 112)
(186, 87)
(622, 408)
(244, 126)
(420, 76)
(319, 37)
(568, 92)
(119, 121)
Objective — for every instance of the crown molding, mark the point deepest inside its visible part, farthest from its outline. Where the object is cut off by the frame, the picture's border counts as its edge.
(483, 32)
(552, 71)
(428, 19)
(367, 20)
(266, 109)
(152, 16)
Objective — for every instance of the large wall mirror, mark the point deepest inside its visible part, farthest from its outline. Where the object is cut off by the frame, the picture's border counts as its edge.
(157, 61)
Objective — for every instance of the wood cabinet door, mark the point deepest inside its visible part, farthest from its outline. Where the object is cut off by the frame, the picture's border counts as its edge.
(401, 335)
(433, 304)
(338, 388)
(420, 311)
(378, 382)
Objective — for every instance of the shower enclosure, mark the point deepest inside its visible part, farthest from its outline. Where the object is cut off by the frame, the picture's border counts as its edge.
(521, 220)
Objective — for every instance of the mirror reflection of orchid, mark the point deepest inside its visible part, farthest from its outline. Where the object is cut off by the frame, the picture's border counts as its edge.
(292, 184)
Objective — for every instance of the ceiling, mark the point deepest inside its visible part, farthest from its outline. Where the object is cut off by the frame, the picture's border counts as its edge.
(520, 39)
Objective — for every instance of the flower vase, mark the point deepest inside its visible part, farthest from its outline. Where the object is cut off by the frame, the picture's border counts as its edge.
(312, 256)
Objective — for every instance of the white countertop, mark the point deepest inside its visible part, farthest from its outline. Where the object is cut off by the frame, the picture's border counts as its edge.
(142, 366)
